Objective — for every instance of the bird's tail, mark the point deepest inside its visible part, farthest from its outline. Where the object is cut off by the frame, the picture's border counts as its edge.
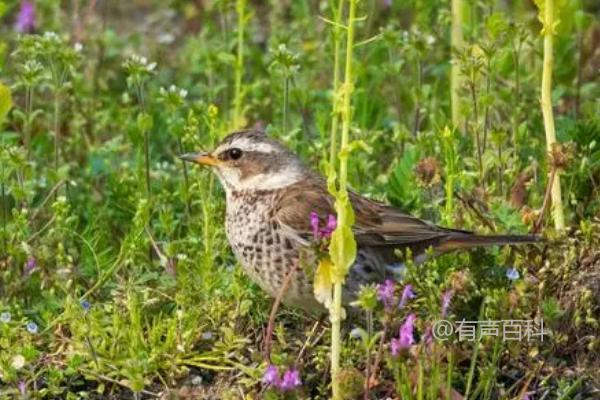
(465, 241)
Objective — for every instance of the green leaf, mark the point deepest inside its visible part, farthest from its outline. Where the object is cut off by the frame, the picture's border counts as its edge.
(6, 102)
(144, 122)
(402, 183)
(342, 251)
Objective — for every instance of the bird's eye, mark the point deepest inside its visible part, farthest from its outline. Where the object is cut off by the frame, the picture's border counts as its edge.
(234, 154)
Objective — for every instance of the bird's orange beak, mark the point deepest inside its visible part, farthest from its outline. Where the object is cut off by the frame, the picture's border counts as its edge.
(201, 157)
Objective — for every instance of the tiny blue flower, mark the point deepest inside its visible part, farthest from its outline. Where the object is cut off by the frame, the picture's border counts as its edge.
(208, 335)
(32, 328)
(85, 305)
(512, 274)
(5, 317)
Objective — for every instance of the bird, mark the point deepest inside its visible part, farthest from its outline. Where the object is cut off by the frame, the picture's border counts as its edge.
(270, 196)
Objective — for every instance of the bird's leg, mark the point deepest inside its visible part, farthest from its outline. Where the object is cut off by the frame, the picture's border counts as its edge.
(274, 308)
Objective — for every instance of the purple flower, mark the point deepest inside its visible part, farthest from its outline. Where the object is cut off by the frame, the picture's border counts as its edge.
(407, 294)
(446, 298)
(85, 305)
(428, 335)
(291, 380)
(271, 376)
(314, 223)
(22, 387)
(330, 227)
(30, 264)
(406, 336)
(385, 292)
(324, 232)
(25, 18)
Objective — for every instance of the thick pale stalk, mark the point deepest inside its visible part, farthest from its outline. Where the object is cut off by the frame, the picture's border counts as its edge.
(456, 39)
(336, 308)
(239, 64)
(546, 101)
(336, 82)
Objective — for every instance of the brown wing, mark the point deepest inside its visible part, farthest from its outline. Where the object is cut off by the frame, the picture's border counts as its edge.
(377, 225)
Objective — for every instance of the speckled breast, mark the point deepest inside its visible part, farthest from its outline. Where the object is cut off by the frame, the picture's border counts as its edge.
(263, 248)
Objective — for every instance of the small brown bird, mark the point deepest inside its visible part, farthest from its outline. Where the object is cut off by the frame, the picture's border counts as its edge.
(270, 196)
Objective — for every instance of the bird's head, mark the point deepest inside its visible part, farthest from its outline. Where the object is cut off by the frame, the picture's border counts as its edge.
(250, 160)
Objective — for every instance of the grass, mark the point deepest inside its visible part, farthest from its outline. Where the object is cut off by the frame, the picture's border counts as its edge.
(116, 278)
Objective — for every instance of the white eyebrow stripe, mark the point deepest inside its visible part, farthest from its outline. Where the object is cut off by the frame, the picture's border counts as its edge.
(248, 145)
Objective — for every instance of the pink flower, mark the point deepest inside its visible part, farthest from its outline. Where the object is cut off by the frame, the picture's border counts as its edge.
(330, 227)
(385, 293)
(25, 18)
(314, 223)
(406, 336)
(322, 232)
(30, 264)
(407, 294)
(446, 299)
(291, 380)
(271, 376)
(22, 387)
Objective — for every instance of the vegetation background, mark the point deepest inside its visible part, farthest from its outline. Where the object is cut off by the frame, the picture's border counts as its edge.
(116, 280)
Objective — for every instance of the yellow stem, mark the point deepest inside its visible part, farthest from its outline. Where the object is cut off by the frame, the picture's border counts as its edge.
(239, 65)
(456, 42)
(546, 102)
(342, 197)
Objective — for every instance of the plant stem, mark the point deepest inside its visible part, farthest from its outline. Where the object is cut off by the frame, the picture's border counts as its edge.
(341, 202)
(56, 127)
(548, 18)
(286, 87)
(476, 129)
(368, 355)
(4, 241)
(186, 181)
(456, 41)
(140, 88)
(540, 220)
(336, 82)
(417, 117)
(486, 110)
(239, 64)
(27, 127)
(336, 319)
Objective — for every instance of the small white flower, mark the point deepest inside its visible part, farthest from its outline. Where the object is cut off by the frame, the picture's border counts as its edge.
(18, 362)
(51, 35)
(78, 47)
(183, 93)
(143, 60)
(151, 66)
(355, 333)
(430, 39)
(162, 91)
(32, 328)
(5, 317)
(172, 88)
